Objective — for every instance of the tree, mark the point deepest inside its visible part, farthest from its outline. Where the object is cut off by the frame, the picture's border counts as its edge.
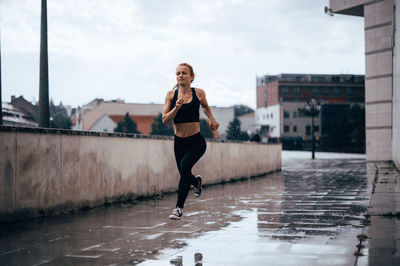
(240, 109)
(59, 117)
(205, 129)
(127, 125)
(233, 132)
(159, 128)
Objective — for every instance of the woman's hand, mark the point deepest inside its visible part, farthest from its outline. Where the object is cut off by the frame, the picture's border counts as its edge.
(179, 103)
(214, 124)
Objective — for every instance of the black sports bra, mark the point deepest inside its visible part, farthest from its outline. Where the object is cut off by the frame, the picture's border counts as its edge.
(189, 112)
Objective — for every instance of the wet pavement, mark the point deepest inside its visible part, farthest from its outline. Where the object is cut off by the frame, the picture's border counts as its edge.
(310, 213)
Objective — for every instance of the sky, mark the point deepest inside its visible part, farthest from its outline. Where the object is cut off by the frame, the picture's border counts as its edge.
(129, 49)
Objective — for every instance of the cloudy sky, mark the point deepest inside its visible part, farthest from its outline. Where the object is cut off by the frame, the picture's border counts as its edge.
(129, 49)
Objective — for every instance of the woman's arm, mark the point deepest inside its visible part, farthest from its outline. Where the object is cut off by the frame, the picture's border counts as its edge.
(207, 109)
(168, 115)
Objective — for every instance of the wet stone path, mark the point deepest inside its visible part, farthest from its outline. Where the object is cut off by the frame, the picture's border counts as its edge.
(308, 214)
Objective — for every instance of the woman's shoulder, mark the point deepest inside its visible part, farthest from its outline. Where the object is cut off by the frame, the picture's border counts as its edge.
(170, 94)
(199, 91)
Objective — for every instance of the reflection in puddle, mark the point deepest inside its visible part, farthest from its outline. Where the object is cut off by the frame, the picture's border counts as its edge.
(318, 204)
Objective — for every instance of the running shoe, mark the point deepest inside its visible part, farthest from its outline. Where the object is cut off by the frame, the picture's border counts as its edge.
(197, 190)
(176, 214)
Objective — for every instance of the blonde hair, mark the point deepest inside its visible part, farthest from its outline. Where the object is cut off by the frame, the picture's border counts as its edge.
(190, 70)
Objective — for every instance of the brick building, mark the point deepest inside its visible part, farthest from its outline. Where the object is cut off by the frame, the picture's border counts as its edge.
(281, 100)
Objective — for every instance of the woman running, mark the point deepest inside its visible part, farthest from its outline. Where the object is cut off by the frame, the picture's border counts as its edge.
(182, 105)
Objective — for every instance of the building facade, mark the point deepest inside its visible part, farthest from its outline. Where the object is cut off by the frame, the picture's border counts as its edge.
(16, 117)
(19, 113)
(382, 73)
(281, 99)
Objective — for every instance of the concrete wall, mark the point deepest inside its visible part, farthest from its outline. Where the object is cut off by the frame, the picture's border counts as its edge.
(378, 79)
(45, 172)
(396, 89)
(382, 124)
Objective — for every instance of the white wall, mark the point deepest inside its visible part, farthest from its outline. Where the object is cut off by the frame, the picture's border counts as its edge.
(104, 124)
(224, 115)
(269, 116)
(248, 123)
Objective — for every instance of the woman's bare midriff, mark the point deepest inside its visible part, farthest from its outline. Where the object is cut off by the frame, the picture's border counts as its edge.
(184, 130)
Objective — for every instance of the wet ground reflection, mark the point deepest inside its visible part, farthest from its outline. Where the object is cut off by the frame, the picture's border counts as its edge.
(316, 200)
(309, 213)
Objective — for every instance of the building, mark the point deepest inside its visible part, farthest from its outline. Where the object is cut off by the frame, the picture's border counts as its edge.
(25, 106)
(281, 100)
(100, 115)
(382, 73)
(16, 117)
(247, 123)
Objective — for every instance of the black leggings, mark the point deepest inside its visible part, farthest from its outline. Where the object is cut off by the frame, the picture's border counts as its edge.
(187, 152)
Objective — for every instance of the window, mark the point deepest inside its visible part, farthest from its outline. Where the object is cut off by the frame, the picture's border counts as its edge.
(265, 94)
(315, 91)
(336, 91)
(294, 128)
(264, 130)
(272, 116)
(286, 114)
(286, 129)
(294, 114)
(285, 90)
(302, 112)
(349, 91)
(267, 116)
(296, 90)
(316, 128)
(308, 130)
(326, 92)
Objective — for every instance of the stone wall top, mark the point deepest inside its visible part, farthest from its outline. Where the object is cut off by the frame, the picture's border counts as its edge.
(57, 131)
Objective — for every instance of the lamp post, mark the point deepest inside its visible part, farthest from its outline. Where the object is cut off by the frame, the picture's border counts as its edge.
(312, 107)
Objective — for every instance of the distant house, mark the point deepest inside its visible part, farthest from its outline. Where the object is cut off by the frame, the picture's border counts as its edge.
(248, 123)
(100, 115)
(15, 116)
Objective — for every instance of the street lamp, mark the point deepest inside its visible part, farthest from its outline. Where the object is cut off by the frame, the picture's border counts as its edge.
(312, 108)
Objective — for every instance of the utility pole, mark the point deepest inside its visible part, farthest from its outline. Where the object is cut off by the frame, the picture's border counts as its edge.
(44, 112)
